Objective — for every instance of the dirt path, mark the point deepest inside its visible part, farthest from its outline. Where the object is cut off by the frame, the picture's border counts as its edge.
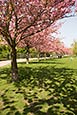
(3, 63)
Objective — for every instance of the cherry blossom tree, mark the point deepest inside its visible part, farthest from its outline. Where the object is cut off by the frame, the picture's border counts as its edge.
(41, 41)
(60, 48)
(45, 43)
(76, 5)
(20, 19)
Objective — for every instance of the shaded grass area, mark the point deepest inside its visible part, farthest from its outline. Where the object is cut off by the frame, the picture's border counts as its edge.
(48, 87)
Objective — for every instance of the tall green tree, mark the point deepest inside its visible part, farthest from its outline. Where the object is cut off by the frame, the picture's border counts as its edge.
(75, 48)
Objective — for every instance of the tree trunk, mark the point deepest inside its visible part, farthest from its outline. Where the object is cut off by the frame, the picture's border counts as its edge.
(27, 58)
(27, 54)
(14, 68)
(38, 56)
(45, 56)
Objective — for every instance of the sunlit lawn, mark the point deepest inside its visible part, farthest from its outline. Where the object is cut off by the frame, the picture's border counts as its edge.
(47, 87)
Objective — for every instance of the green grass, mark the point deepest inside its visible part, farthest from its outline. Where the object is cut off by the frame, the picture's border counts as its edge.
(48, 87)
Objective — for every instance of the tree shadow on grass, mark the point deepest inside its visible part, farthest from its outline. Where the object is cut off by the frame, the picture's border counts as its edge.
(5, 73)
(55, 87)
(47, 90)
(7, 99)
(8, 107)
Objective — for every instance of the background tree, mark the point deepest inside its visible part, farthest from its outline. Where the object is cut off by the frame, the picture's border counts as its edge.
(40, 41)
(74, 47)
(4, 49)
(60, 48)
(20, 19)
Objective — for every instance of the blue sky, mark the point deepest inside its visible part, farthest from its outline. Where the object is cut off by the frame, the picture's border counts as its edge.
(69, 31)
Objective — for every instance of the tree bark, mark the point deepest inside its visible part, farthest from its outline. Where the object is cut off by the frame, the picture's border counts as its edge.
(27, 58)
(14, 68)
(38, 56)
(27, 54)
(45, 56)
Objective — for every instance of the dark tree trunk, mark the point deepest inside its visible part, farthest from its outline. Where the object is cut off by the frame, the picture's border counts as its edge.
(45, 56)
(27, 54)
(14, 68)
(27, 58)
(38, 56)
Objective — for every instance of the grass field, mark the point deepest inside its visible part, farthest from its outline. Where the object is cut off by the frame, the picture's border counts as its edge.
(48, 87)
